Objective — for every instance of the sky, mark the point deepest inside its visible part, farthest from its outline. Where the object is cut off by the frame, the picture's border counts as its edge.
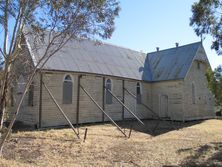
(143, 25)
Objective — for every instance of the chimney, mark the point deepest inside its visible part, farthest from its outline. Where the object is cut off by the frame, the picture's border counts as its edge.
(157, 49)
(177, 44)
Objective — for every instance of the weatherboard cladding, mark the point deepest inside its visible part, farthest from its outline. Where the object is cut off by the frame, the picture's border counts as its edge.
(86, 56)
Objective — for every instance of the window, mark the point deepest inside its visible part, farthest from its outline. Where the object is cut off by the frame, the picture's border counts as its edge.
(198, 65)
(205, 99)
(193, 93)
(138, 93)
(12, 97)
(21, 85)
(67, 90)
(109, 98)
(31, 95)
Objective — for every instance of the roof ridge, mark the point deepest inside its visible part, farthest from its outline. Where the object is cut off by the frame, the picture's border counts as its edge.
(123, 47)
(109, 44)
(174, 47)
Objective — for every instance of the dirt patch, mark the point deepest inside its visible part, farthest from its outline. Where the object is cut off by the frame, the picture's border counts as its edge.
(177, 144)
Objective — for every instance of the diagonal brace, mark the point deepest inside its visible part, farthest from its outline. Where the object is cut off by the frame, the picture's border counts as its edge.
(124, 106)
(60, 109)
(134, 96)
(100, 108)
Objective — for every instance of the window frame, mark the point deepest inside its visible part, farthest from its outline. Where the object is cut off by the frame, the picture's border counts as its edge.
(193, 91)
(71, 80)
(106, 92)
(198, 65)
(139, 95)
(20, 85)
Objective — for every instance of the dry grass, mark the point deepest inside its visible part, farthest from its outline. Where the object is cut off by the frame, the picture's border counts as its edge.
(194, 143)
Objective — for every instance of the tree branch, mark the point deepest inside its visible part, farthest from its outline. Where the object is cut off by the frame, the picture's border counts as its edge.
(6, 27)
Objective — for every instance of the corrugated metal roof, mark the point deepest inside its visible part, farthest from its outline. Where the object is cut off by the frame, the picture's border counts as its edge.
(89, 57)
(172, 64)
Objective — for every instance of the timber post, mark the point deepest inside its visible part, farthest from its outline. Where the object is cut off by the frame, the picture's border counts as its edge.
(103, 99)
(123, 96)
(78, 100)
(40, 101)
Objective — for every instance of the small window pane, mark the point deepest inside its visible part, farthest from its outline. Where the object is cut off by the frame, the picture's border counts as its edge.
(68, 78)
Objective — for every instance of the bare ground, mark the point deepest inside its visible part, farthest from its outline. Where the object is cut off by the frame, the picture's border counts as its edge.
(176, 144)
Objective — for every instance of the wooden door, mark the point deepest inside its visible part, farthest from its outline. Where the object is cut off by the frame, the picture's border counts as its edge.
(164, 106)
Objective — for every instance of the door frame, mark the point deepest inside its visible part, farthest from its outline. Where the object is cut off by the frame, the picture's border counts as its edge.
(160, 105)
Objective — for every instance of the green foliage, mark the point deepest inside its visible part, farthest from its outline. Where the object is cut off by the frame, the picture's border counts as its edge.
(214, 79)
(77, 18)
(206, 19)
(50, 24)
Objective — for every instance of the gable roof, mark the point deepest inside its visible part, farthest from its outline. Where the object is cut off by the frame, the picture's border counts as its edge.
(173, 63)
(86, 56)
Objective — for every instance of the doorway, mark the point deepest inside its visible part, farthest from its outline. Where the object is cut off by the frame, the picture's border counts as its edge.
(164, 106)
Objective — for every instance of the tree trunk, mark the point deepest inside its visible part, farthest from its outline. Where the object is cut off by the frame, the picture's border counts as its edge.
(3, 105)
(4, 95)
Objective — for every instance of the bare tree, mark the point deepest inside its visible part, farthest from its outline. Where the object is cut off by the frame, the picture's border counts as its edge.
(50, 24)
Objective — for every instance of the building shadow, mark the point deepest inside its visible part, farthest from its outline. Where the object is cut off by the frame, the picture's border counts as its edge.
(156, 127)
(151, 126)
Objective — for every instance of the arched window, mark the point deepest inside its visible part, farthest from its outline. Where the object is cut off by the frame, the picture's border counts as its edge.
(67, 90)
(138, 93)
(21, 85)
(198, 65)
(31, 94)
(193, 94)
(109, 99)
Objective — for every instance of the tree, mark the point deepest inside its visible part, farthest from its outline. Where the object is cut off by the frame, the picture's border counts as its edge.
(207, 19)
(52, 23)
(214, 79)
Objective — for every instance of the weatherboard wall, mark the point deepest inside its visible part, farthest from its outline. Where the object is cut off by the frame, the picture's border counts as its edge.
(23, 67)
(202, 106)
(88, 111)
(174, 92)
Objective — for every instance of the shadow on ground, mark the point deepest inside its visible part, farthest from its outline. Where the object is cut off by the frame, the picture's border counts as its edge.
(156, 127)
(208, 155)
(151, 127)
(19, 126)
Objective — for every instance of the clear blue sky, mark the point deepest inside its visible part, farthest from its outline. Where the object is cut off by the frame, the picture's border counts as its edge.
(145, 24)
